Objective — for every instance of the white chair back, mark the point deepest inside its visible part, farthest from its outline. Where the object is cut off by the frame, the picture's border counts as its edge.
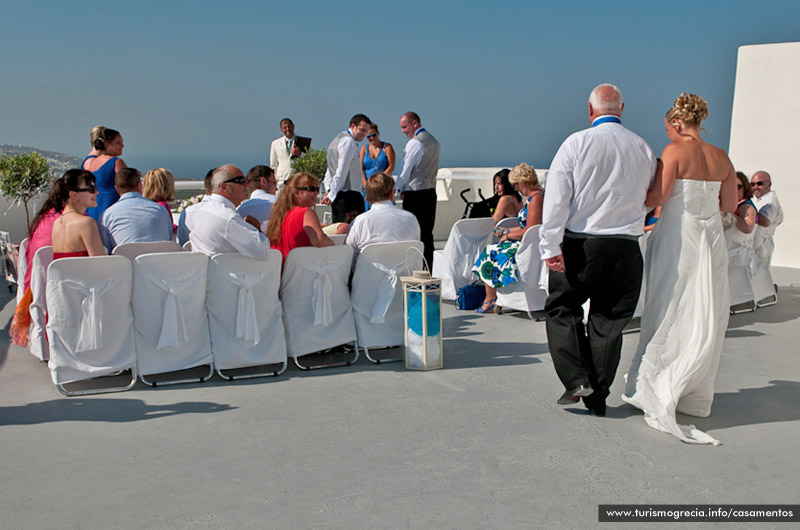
(338, 239)
(763, 285)
(90, 323)
(317, 313)
(741, 268)
(454, 263)
(528, 293)
(133, 250)
(187, 246)
(377, 294)
(169, 312)
(22, 269)
(37, 335)
(244, 312)
(508, 222)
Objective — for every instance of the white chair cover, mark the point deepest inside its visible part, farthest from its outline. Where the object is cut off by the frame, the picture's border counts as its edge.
(316, 302)
(526, 294)
(741, 265)
(37, 335)
(454, 263)
(244, 312)
(338, 239)
(763, 285)
(187, 246)
(132, 250)
(22, 268)
(508, 222)
(89, 317)
(377, 294)
(169, 311)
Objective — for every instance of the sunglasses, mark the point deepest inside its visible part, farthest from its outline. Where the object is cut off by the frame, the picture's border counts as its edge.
(237, 180)
(308, 188)
(91, 188)
(739, 187)
(760, 183)
(371, 136)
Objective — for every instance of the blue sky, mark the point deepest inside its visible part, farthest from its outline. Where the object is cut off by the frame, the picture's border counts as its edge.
(195, 84)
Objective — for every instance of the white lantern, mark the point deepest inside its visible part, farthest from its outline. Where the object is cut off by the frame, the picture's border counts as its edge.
(422, 299)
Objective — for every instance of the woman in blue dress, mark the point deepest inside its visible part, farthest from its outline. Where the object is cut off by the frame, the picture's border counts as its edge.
(108, 143)
(496, 266)
(376, 157)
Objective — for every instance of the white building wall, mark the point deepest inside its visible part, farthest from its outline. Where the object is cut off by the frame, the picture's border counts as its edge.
(764, 131)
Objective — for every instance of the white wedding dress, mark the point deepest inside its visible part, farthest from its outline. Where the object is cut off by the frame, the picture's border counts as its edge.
(685, 314)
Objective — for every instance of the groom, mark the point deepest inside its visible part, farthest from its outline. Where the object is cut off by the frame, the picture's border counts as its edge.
(593, 216)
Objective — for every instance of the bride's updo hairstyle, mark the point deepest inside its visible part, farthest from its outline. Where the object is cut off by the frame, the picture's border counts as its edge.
(689, 108)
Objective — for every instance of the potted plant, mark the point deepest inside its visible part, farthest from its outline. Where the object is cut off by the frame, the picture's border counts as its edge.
(22, 177)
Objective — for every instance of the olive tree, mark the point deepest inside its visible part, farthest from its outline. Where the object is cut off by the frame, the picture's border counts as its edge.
(23, 176)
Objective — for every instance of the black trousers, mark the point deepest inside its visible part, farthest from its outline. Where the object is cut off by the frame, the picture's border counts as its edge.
(422, 204)
(607, 272)
(346, 202)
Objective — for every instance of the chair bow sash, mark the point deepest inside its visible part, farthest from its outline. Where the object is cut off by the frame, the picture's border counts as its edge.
(173, 326)
(246, 318)
(322, 290)
(90, 336)
(386, 292)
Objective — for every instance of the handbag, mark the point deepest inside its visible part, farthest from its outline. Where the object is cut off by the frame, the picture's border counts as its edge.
(470, 296)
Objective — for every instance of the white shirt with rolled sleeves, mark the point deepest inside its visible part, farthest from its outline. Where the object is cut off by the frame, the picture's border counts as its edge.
(348, 150)
(413, 154)
(597, 185)
(215, 226)
(382, 223)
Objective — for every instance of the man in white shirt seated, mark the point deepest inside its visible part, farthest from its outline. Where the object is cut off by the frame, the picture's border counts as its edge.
(133, 219)
(263, 186)
(766, 201)
(383, 222)
(215, 226)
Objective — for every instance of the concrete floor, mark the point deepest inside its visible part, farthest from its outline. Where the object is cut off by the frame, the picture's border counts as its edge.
(478, 444)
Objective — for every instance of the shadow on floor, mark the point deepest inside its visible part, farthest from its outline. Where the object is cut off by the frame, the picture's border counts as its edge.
(101, 409)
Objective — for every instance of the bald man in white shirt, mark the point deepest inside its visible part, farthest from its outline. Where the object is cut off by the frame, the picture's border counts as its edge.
(592, 218)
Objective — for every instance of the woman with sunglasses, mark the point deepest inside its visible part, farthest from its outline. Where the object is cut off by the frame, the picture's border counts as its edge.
(686, 306)
(61, 223)
(105, 165)
(293, 222)
(376, 157)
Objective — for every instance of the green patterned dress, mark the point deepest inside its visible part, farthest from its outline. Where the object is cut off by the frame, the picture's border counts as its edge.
(497, 266)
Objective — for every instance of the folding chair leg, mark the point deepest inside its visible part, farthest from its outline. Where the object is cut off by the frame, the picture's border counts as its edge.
(744, 307)
(768, 301)
(379, 361)
(106, 390)
(201, 379)
(268, 373)
(332, 365)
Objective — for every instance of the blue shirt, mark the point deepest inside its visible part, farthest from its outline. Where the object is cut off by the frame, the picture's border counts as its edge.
(134, 219)
(259, 205)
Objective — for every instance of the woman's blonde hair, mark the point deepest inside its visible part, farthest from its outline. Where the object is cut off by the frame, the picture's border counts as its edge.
(523, 172)
(159, 185)
(285, 203)
(96, 134)
(690, 108)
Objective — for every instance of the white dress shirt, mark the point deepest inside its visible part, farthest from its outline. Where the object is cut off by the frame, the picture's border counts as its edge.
(382, 223)
(259, 205)
(597, 185)
(348, 150)
(413, 154)
(770, 207)
(215, 226)
(280, 158)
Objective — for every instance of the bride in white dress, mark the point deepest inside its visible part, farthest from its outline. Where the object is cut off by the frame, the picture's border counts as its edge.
(686, 303)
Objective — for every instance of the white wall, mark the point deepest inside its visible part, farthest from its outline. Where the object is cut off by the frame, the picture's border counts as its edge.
(764, 131)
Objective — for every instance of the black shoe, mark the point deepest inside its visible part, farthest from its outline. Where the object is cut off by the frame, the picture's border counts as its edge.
(596, 405)
(573, 396)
